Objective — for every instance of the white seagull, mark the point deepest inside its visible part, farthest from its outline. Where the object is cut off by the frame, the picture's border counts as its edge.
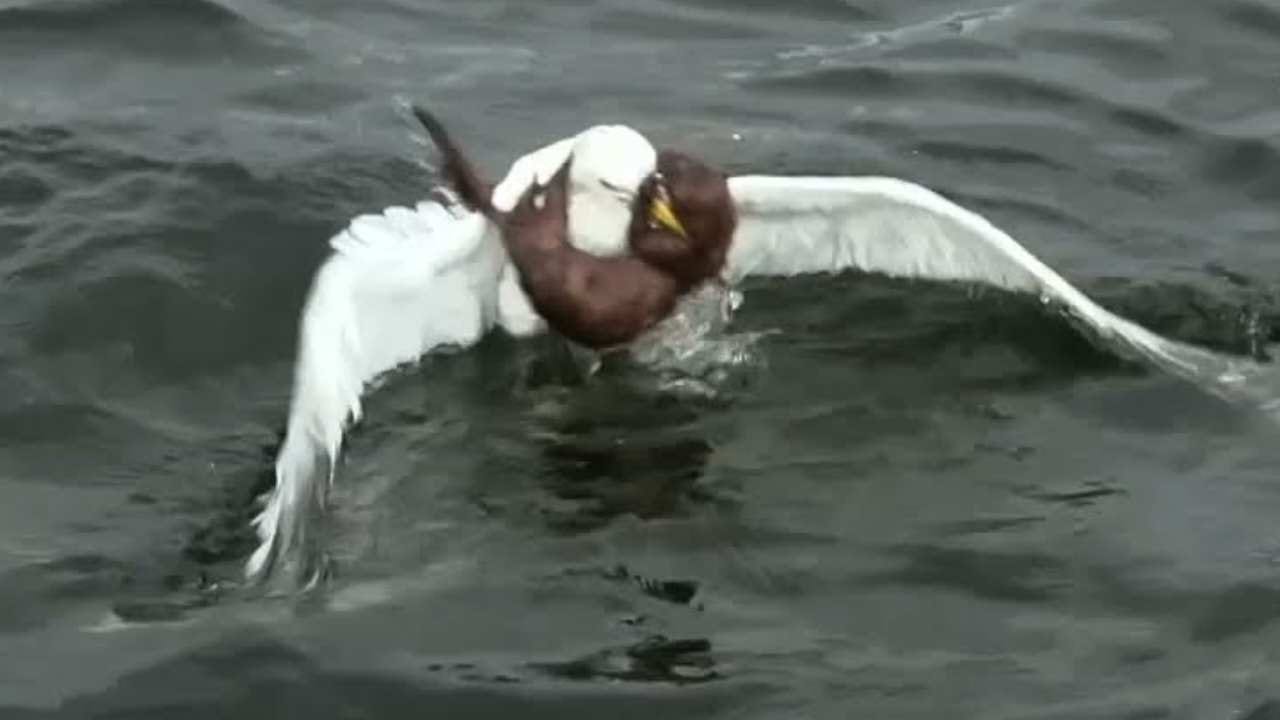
(408, 281)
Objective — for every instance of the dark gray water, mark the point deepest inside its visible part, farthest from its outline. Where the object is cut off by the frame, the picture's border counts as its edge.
(920, 502)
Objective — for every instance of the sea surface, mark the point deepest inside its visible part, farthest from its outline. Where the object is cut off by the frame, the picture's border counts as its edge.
(915, 501)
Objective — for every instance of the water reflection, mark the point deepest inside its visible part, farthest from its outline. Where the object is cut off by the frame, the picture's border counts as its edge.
(612, 446)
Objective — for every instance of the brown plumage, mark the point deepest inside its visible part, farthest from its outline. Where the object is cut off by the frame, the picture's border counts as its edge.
(599, 302)
(604, 302)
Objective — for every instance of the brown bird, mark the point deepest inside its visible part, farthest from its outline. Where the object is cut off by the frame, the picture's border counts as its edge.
(684, 219)
(681, 223)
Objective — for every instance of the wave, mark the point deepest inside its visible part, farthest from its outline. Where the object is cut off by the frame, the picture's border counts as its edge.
(197, 266)
(172, 29)
(105, 14)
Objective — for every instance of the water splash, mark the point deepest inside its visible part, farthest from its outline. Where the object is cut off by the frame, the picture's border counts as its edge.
(692, 351)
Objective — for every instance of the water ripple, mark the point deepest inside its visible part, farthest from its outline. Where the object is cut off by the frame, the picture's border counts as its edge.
(177, 29)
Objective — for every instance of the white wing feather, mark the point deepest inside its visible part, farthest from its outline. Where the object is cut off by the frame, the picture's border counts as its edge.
(794, 225)
(397, 285)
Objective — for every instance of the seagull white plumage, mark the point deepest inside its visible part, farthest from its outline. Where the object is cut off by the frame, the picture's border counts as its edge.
(410, 280)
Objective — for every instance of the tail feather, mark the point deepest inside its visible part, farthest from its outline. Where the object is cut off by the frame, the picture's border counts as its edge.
(458, 169)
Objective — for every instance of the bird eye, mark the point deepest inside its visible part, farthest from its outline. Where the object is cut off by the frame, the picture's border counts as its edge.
(621, 194)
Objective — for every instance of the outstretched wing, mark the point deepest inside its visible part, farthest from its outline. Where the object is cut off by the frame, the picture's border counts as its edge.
(795, 225)
(397, 285)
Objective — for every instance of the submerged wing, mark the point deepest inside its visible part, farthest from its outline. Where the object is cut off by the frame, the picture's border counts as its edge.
(795, 225)
(397, 285)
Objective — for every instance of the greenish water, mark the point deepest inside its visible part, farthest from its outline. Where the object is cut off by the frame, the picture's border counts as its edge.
(916, 501)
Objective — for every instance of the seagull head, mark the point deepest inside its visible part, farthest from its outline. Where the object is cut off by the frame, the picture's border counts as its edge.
(610, 167)
(610, 163)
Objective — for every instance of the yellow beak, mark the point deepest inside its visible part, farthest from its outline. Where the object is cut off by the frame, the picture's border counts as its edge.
(661, 213)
